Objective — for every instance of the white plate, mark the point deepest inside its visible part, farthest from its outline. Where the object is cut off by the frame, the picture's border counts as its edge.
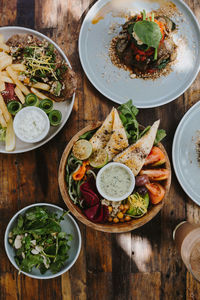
(184, 154)
(65, 107)
(115, 83)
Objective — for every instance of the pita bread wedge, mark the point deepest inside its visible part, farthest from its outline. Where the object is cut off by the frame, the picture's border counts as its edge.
(118, 140)
(111, 135)
(134, 156)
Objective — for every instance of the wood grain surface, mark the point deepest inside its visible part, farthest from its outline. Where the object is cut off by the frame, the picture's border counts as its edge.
(139, 265)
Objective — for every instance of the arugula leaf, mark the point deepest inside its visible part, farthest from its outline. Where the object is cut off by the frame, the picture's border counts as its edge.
(148, 32)
(161, 133)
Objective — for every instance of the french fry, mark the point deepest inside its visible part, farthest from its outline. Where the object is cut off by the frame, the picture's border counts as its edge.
(20, 85)
(10, 136)
(2, 85)
(4, 109)
(5, 78)
(5, 60)
(4, 47)
(2, 120)
(39, 94)
(18, 67)
(41, 86)
(19, 95)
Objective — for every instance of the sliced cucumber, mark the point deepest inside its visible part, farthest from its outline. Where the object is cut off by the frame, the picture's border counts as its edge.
(99, 158)
(82, 149)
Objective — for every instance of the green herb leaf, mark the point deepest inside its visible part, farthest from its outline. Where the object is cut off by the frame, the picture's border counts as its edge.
(161, 133)
(148, 32)
(87, 135)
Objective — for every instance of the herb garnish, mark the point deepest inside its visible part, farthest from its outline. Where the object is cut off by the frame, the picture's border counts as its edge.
(148, 32)
(128, 113)
(39, 241)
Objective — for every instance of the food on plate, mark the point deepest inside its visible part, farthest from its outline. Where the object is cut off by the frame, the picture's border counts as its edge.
(32, 73)
(31, 124)
(82, 149)
(145, 45)
(43, 66)
(115, 182)
(98, 158)
(156, 192)
(134, 156)
(39, 241)
(92, 184)
(111, 136)
(155, 158)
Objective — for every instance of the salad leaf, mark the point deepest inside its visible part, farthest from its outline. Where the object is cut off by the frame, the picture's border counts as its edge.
(40, 229)
(128, 113)
(148, 32)
(88, 134)
(161, 133)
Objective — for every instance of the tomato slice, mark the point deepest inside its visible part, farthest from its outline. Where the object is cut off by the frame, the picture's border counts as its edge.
(155, 158)
(156, 192)
(156, 174)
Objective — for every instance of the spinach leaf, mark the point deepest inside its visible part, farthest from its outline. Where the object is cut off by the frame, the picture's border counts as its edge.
(148, 32)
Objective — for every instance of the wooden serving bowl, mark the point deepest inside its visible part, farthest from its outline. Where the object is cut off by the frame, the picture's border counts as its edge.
(106, 227)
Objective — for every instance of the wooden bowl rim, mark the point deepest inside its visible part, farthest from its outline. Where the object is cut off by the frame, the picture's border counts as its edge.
(76, 211)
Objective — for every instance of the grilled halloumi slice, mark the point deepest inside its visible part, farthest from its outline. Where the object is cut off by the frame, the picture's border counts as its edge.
(118, 140)
(111, 136)
(134, 156)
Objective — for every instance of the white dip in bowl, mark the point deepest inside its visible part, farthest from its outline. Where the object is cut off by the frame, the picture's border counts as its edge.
(31, 124)
(115, 181)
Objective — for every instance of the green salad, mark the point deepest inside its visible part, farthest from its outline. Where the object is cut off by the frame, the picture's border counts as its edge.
(39, 241)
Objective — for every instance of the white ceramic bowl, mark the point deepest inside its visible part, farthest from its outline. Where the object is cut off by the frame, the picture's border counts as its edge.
(19, 119)
(67, 225)
(129, 190)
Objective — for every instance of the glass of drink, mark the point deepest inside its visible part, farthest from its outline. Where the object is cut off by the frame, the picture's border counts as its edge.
(187, 239)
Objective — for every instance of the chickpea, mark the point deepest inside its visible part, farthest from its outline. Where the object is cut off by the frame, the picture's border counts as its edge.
(121, 207)
(127, 218)
(120, 215)
(115, 220)
(126, 206)
(110, 219)
(110, 209)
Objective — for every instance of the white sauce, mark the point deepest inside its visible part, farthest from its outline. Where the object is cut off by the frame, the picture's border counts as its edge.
(115, 181)
(31, 125)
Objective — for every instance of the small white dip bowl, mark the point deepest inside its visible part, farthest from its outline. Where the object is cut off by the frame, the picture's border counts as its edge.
(31, 124)
(124, 181)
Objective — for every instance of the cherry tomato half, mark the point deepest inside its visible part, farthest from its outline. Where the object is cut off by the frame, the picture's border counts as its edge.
(156, 192)
(155, 158)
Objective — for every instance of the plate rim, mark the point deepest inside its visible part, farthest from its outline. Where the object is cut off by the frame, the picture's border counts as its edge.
(174, 145)
(95, 5)
(43, 142)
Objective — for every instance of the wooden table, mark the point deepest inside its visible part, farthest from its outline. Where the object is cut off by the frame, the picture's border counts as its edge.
(143, 264)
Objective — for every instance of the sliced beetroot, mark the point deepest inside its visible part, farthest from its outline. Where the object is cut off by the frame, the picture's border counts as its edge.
(9, 93)
(102, 215)
(91, 212)
(95, 211)
(90, 197)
